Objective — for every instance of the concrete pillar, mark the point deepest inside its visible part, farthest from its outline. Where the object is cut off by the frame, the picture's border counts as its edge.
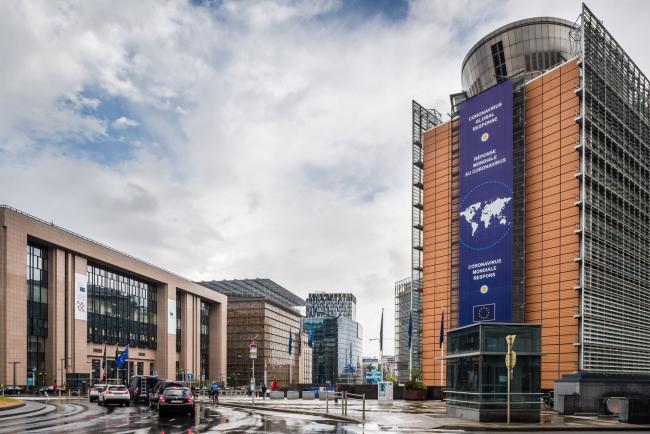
(14, 305)
(190, 356)
(166, 350)
(217, 341)
(55, 342)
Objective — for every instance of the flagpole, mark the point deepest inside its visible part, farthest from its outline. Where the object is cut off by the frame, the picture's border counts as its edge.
(442, 346)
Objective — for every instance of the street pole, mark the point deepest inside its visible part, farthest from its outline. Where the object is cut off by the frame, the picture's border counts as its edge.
(14, 385)
(254, 385)
(511, 360)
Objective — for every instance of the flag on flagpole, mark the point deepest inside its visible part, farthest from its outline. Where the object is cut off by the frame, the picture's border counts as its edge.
(123, 357)
(442, 328)
(310, 335)
(381, 332)
(105, 362)
(290, 341)
(300, 341)
(410, 332)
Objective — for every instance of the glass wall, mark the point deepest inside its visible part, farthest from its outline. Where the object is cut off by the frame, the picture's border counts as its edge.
(121, 309)
(179, 311)
(36, 309)
(205, 341)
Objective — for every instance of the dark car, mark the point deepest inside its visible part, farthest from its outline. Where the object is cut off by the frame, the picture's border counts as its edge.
(178, 400)
(160, 388)
(141, 386)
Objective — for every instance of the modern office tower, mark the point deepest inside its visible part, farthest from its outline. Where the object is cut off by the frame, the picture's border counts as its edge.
(263, 312)
(408, 308)
(336, 348)
(332, 304)
(66, 299)
(531, 204)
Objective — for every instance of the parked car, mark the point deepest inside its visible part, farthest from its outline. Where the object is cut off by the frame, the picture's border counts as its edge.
(12, 390)
(176, 400)
(141, 386)
(95, 391)
(160, 388)
(114, 394)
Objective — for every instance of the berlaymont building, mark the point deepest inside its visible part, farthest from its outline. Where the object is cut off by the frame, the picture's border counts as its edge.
(66, 299)
(531, 204)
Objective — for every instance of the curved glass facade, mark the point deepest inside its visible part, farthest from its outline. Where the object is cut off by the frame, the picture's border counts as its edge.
(522, 48)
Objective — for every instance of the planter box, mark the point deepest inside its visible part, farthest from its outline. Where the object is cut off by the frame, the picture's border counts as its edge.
(306, 394)
(278, 394)
(293, 394)
(415, 395)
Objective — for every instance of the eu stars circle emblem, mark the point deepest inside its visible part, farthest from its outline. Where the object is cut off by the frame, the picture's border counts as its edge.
(485, 137)
(484, 289)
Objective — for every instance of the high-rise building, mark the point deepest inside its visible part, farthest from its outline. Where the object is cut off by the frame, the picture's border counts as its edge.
(331, 304)
(265, 313)
(65, 300)
(408, 308)
(336, 348)
(532, 203)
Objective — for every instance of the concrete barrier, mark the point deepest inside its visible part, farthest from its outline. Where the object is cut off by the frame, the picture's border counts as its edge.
(278, 394)
(307, 394)
(322, 395)
(293, 394)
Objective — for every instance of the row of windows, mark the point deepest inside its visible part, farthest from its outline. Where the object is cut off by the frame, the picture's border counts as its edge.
(36, 306)
(121, 309)
(205, 339)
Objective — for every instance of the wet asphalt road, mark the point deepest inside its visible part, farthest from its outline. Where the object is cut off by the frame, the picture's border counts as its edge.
(80, 416)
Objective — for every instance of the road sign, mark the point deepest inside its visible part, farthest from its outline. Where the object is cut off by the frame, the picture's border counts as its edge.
(189, 376)
(202, 377)
(253, 351)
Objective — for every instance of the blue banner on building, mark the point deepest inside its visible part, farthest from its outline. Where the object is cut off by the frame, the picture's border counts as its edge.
(485, 215)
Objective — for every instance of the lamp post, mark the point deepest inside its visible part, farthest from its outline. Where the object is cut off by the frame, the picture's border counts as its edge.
(511, 360)
(14, 363)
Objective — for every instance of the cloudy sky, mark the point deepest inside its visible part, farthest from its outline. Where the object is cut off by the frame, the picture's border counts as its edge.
(242, 139)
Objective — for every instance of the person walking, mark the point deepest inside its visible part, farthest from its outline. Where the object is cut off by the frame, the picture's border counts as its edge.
(263, 390)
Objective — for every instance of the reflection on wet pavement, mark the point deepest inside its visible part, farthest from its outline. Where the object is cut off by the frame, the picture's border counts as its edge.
(79, 416)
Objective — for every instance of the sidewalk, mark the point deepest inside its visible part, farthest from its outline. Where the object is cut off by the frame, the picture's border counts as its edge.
(411, 416)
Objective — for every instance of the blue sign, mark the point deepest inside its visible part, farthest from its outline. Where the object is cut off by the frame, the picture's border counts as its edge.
(189, 376)
(485, 214)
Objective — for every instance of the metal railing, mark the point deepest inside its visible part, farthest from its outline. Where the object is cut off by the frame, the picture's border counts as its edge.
(344, 401)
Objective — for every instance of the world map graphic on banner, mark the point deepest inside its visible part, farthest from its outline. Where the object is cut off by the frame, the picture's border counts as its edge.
(483, 213)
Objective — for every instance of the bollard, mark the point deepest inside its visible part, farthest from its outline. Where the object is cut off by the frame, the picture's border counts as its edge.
(197, 414)
(363, 411)
(327, 401)
(343, 403)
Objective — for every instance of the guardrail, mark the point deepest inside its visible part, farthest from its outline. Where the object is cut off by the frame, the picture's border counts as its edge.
(344, 401)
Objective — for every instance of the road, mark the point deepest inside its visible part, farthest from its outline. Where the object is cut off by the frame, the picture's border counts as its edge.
(80, 416)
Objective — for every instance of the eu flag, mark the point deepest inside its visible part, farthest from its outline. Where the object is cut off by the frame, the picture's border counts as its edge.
(484, 312)
(410, 330)
(290, 341)
(123, 357)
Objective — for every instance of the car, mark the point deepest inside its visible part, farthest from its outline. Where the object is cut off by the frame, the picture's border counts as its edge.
(11, 390)
(114, 394)
(177, 400)
(141, 386)
(160, 388)
(95, 391)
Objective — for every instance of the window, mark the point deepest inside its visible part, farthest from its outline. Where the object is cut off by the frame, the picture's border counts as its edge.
(36, 308)
(499, 59)
(121, 309)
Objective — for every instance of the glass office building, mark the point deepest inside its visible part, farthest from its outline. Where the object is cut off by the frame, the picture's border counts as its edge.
(337, 349)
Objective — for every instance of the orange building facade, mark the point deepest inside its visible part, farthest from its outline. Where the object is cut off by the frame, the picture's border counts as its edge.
(552, 217)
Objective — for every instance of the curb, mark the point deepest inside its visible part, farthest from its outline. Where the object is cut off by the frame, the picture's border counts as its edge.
(11, 407)
(542, 429)
(286, 410)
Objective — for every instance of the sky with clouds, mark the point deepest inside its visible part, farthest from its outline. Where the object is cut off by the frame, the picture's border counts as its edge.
(239, 139)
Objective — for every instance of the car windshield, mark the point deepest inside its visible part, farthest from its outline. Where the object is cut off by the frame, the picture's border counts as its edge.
(177, 385)
(177, 392)
(120, 388)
